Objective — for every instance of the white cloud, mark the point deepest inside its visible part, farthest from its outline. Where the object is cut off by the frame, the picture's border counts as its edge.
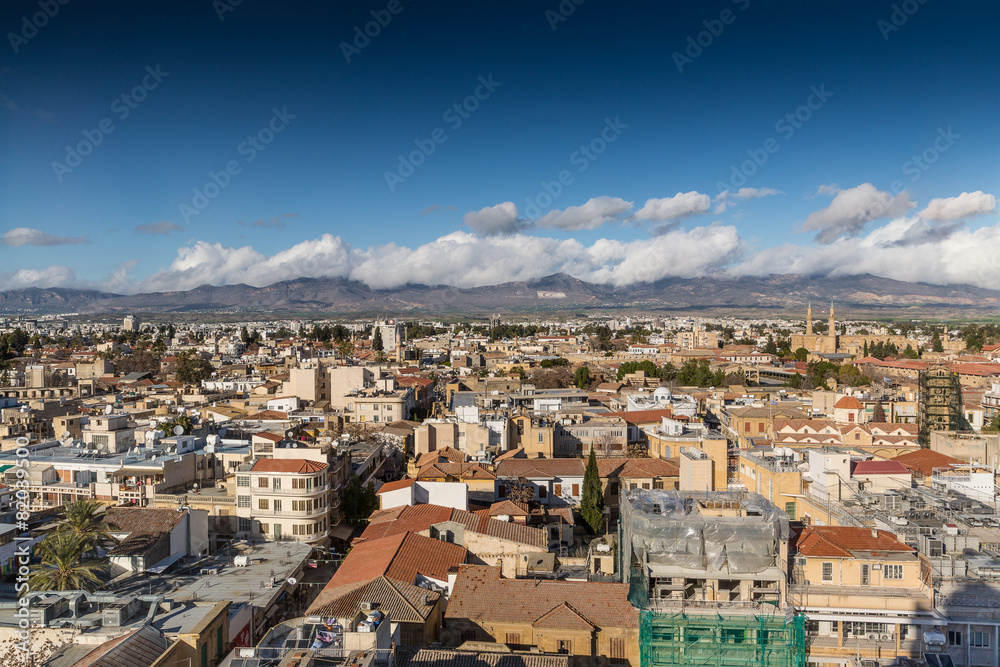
(746, 193)
(591, 215)
(22, 236)
(965, 205)
(53, 276)
(852, 209)
(681, 205)
(492, 220)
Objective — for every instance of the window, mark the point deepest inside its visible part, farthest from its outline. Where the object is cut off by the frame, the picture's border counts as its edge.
(828, 572)
(243, 501)
(541, 438)
(954, 638)
(277, 484)
(790, 510)
(242, 481)
(576, 489)
(893, 571)
(512, 639)
(245, 524)
(265, 529)
(557, 489)
(204, 655)
(564, 646)
(263, 482)
(277, 505)
(543, 491)
(980, 639)
(501, 491)
(262, 504)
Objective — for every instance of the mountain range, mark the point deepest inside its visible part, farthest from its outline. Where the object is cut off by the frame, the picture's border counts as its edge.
(778, 294)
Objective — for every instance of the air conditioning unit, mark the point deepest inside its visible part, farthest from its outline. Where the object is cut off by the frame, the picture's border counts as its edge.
(366, 606)
(872, 636)
(884, 637)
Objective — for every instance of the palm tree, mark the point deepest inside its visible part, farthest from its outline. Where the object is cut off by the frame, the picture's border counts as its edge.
(85, 520)
(63, 567)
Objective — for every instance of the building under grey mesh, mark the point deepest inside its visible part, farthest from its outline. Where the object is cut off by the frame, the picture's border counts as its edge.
(686, 550)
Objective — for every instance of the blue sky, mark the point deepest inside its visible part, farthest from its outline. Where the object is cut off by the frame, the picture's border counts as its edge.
(808, 114)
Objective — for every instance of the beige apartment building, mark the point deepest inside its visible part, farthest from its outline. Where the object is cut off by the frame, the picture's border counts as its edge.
(283, 499)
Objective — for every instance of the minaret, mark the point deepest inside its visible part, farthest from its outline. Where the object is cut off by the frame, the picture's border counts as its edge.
(833, 321)
(809, 319)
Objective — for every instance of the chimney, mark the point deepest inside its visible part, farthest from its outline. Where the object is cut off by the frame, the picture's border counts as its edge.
(875, 533)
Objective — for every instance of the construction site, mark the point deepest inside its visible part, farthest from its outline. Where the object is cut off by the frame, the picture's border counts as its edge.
(708, 572)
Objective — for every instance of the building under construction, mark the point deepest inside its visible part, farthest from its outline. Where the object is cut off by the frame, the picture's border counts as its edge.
(939, 406)
(708, 572)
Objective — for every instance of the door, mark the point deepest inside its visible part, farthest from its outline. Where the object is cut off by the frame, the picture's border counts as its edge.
(866, 575)
(557, 489)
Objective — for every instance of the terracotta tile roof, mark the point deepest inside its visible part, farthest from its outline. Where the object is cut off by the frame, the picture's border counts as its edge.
(445, 454)
(300, 466)
(891, 428)
(402, 601)
(267, 435)
(144, 525)
(642, 416)
(395, 486)
(848, 403)
(923, 461)
(400, 557)
(508, 508)
(481, 595)
(269, 415)
(418, 518)
(535, 468)
(625, 468)
(472, 470)
(510, 454)
(890, 467)
(845, 542)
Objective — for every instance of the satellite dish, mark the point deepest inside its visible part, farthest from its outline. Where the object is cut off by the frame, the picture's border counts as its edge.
(109, 409)
(66, 435)
(178, 430)
(289, 434)
(292, 581)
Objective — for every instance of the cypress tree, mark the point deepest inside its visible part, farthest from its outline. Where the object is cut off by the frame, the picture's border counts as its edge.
(592, 504)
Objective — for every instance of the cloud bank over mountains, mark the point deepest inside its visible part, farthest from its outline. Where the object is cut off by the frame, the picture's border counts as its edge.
(861, 230)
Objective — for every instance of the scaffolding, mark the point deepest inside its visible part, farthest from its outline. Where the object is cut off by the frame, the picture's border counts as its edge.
(687, 532)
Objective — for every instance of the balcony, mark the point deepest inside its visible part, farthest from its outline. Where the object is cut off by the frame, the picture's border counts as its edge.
(859, 591)
(302, 493)
(884, 647)
(289, 514)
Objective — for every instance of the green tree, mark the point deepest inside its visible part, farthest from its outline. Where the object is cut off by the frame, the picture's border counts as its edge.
(377, 340)
(801, 354)
(771, 347)
(592, 503)
(85, 520)
(193, 369)
(910, 353)
(993, 425)
(345, 348)
(63, 566)
(581, 378)
(936, 343)
(359, 502)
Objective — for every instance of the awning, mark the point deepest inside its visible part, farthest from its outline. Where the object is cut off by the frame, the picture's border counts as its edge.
(341, 531)
(165, 563)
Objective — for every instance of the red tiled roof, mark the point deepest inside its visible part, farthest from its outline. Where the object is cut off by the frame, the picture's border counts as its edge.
(267, 435)
(480, 594)
(301, 466)
(848, 403)
(842, 541)
(541, 468)
(624, 468)
(395, 486)
(641, 416)
(890, 467)
(418, 518)
(400, 557)
(923, 461)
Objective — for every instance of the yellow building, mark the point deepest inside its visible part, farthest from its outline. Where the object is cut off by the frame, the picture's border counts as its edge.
(864, 594)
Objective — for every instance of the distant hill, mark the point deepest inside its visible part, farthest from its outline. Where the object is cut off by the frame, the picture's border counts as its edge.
(558, 292)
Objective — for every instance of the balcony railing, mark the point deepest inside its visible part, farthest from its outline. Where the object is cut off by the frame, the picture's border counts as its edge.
(858, 591)
(289, 514)
(261, 491)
